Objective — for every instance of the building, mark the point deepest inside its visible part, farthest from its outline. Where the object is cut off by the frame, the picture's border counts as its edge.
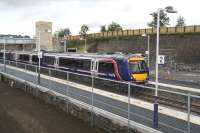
(44, 35)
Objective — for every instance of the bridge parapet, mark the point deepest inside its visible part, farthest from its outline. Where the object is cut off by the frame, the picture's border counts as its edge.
(17, 41)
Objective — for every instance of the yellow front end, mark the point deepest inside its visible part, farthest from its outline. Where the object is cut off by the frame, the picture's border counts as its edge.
(140, 77)
(138, 69)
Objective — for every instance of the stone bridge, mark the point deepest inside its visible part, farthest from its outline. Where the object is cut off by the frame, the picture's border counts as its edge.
(17, 43)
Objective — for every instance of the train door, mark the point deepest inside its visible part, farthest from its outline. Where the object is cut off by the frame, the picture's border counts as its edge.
(94, 67)
(56, 62)
(106, 69)
(30, 59)
(15, 56)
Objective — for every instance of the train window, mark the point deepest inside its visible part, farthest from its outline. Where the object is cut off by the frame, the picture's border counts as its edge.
(74, 63)
(12, 56)
(106, 67)
(49, 60)
(24, 57)
(138, 66)
(78, 64)
(87, 65)
(1, 55)
(83, 64)
(34, 58)
(66, 62)
(7, 56)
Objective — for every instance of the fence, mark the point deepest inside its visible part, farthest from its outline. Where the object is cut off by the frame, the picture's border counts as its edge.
(119, 98)
(136, 32)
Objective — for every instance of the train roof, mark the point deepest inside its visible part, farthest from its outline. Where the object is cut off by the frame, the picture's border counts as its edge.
(115, 55)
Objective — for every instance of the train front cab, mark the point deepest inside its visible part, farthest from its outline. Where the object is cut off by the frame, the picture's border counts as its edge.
(138, 69)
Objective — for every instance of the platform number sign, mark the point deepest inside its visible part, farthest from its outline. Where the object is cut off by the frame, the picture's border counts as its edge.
(161, 59)
(40, 54)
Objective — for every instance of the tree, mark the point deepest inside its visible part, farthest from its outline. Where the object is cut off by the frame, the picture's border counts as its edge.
(61, 33)
(114, 27)
(103, 28)
(180, 21)
(64, 32)
(164, 19)
(84, 30)
(67, 32)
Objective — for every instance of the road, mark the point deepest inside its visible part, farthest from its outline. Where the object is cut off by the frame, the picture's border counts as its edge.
(138, 114)
(21, 113)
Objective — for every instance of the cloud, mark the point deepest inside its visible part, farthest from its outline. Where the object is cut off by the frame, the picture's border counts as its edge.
(21, 15)
(21, 3)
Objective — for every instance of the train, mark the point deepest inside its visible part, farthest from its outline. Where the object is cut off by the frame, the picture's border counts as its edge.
(116, 66)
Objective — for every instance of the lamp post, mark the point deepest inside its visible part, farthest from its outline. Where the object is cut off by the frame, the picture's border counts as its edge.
(168, 9)
(39, 56)
(65, 45)
(85, 46)
(23, 41)
(148, 46)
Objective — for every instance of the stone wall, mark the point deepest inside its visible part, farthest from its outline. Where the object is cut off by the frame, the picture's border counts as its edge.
(178, 48)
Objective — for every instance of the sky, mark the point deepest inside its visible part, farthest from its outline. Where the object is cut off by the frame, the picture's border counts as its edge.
(19, 16)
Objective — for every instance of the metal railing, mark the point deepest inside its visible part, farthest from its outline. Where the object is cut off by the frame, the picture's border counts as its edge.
(118, 97)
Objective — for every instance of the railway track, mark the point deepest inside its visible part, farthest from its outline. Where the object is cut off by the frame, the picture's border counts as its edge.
(171, 102)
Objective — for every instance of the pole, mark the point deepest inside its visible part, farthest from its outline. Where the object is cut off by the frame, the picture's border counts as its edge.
(67, 92)
(188, 117)
(39, 58)
(155, 116)
(65, 45)
(4, 55)
(85, 45)
(50, 79)
(148, 50)
(23, 42)
(92, 112)
(129, 96)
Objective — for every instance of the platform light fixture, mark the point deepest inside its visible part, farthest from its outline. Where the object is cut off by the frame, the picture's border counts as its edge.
(85, 47)
(148, 45)
(4, 53)
(168, 9)
(23, 39)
